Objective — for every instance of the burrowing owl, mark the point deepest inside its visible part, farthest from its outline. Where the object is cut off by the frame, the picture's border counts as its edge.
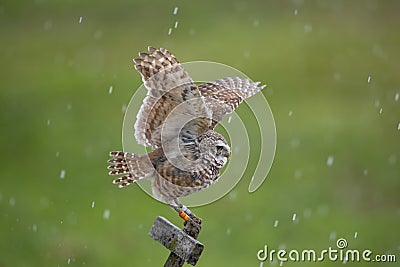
(176, 120)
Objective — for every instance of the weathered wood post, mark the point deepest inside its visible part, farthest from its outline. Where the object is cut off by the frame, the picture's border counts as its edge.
(182, 243)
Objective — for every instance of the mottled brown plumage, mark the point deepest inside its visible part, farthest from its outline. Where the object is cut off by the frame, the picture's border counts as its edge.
(176, 120)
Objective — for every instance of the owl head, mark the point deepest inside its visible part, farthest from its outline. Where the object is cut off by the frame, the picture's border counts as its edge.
(214, 146)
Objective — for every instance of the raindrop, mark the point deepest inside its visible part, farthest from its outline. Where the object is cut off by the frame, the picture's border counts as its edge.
(230, 119)
(398, 126)
(97, 35)
(228, 231)
(61, 222)
(44, 202)
(236, 151)
(294, 216)
(12, 201)
(355, 234)
(392, 159)
(106, 214)
(246, 54)
(69, 260)
(396, 97)
(62, 174)
(337, 76)
(332, 236)
(323, 209)
(295, 143)
(345, 260)
(380, 111)
(57, 154)
(365, 172)
(307, 213)
(308, 28)
(110, 90)
(92, 204)
(48, 24)
(330, 160)
(281, 263)
(34, 228)
(256, 22)
(296, 12)
(248, 217)
(48, 122)
(369, 79)
(124, 107)
(175, 10)
(69, 107)
(176, 24)
(298, 174)
(233, 195)
(261, 263)
(290, 113)
(377, 51)
(80, 19)
(276, 223)
(169, 31)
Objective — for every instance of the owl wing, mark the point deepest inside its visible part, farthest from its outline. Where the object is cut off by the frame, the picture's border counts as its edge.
(224, 95)
(173, 106)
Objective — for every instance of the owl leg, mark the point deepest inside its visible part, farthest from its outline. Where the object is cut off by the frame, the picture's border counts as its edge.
(184, 212)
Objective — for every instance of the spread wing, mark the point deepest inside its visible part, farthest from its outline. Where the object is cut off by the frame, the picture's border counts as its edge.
(173, 106)
(224, 95)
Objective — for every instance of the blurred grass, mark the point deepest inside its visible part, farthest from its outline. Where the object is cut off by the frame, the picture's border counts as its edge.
(57, 115)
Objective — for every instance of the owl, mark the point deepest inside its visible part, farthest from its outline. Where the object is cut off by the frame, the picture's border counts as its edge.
(177, 121)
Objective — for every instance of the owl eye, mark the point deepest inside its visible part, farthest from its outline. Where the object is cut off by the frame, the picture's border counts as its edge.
(219, 148)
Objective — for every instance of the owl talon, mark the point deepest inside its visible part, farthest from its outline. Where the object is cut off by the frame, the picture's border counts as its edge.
(187, 215)
(183, 211)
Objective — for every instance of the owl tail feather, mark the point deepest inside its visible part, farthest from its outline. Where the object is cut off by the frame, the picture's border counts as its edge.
(133, 167)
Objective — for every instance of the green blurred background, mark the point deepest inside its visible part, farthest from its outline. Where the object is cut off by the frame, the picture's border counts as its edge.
(58, 122)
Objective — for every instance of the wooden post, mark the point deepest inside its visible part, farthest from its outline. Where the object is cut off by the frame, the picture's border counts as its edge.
(182, 243)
